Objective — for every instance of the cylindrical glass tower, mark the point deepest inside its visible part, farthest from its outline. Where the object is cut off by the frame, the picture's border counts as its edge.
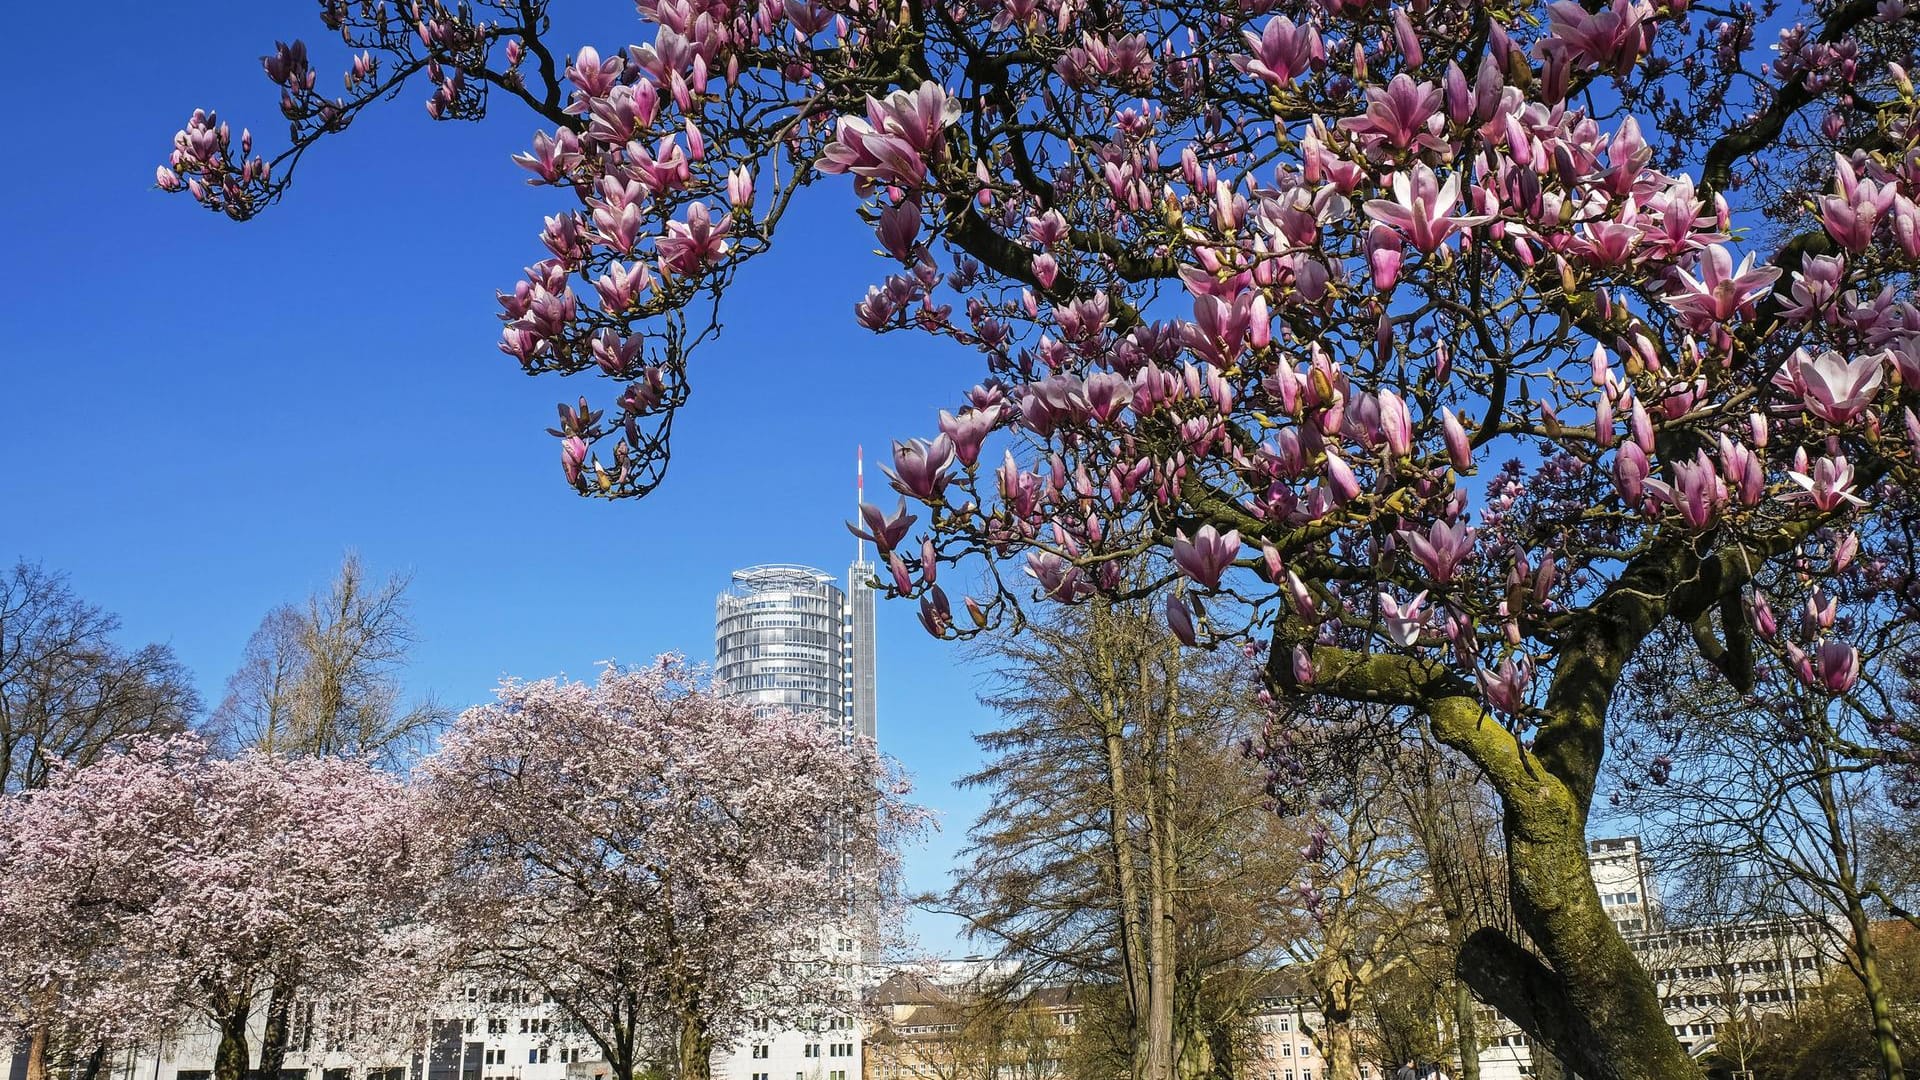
(781, 637)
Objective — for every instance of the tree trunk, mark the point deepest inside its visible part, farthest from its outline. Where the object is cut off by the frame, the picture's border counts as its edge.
(230, 1061)
(1337, 1049)
(695, 1049)
(1145, 1054)
(1163, 875)
(37, 1053)
(1879, 1001)
(96, 1061)
(1466, 1031)
(273, 1039)
(1590, 1002)
(1864, 958)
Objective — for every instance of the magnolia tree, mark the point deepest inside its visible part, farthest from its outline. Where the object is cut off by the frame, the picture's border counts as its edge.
(160, 885)
(1437, 346)
(663, 862)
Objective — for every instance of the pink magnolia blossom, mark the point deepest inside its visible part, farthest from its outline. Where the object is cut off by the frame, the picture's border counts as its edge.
(1280, 52)
(1613, 38)
(1829, 485)
(1207, 555)
(1180, 620)
(1441, 549)
(883, 529)
(1505, 688)
(1837, 666)
(692, 245)
(900, 136)
(1721, 291)
(920, 468)
(1397, 116)
(1697, 492)
(1403, 623)
(1829, 386)
(1459, 450)
(1422, 208)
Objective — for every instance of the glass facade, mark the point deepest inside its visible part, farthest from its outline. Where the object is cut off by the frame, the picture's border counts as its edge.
(789, 636)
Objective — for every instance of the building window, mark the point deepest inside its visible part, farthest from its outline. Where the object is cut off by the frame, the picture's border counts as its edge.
(813, 1050)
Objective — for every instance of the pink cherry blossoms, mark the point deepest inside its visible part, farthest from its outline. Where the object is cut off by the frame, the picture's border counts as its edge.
(643, 843)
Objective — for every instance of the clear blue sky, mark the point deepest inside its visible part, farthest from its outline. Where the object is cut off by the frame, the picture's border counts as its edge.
(197, 418)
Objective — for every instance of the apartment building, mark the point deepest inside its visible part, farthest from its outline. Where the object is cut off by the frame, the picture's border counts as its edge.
(483, 1033)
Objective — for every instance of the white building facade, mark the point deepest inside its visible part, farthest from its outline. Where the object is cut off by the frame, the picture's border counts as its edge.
(482, 1033)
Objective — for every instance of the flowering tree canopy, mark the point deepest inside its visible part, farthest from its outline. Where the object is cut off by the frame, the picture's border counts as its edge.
(160, 884)
(1444, 350)
(664, 862)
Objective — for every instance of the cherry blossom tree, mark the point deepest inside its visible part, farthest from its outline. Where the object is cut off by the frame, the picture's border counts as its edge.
(1446, 350)
(662, 862)
(160, 885)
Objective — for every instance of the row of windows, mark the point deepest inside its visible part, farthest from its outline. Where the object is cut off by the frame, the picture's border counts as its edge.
(1770, 995)
(539, 1055)
(1620, 898)
(498, 1025)
(1513, 1039)
(1773, 931)
(832, 1023)
(1743, 967)
(1695, 1029)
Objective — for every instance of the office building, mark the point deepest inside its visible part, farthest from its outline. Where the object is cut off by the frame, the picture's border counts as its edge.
(789, 636)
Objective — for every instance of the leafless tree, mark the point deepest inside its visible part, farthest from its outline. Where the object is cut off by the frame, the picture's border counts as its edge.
(1127, 843)
(1455, 825)
(68, 692)
(323, 677)
(1766, 795)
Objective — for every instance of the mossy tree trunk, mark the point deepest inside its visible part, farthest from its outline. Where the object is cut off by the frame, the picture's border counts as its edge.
(1583, 994)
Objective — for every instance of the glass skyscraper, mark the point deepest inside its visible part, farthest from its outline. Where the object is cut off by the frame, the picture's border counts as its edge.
(790, 636)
